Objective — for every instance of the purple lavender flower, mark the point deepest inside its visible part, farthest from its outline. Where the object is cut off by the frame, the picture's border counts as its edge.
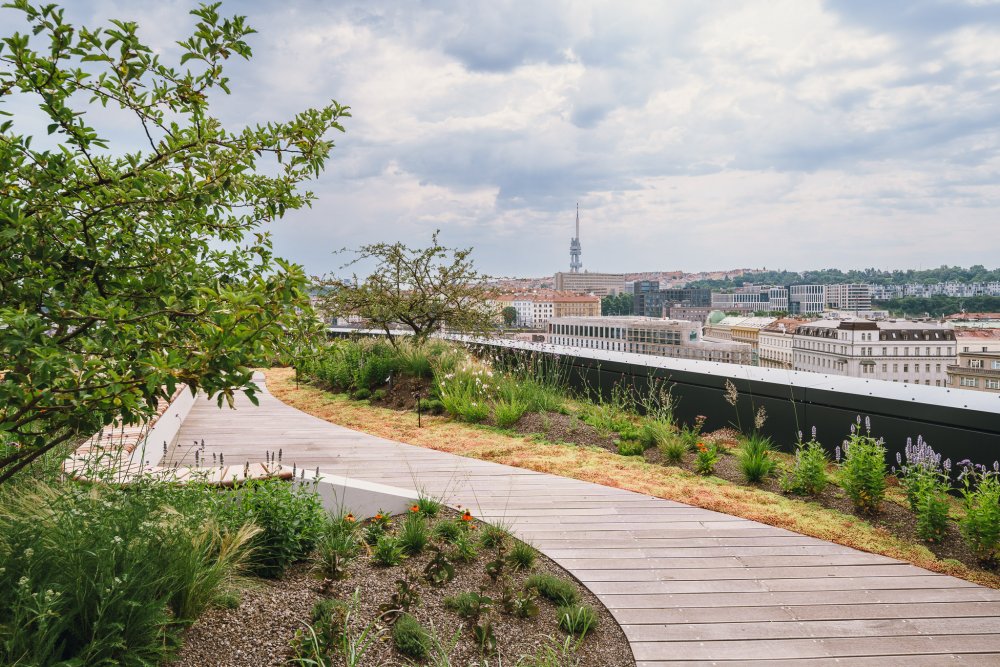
(868, 425)
(837, 454)
(899, 459)
(814, 432)
(946, 465)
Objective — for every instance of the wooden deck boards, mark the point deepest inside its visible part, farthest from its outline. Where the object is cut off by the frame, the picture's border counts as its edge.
(690, 586)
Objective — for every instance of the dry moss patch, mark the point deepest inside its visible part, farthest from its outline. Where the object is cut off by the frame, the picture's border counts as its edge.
(593, 464)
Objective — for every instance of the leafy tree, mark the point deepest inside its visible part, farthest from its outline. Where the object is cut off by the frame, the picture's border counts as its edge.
(509, 315)
(123, 274)
(616, 304)
(422, 289)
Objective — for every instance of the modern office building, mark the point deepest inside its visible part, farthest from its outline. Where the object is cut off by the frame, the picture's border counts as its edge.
(751, 299)
(600, 284)
(649, 300)
(978, 371)
(894, 350)
(806, 299)
(644, 335)
(855, 297)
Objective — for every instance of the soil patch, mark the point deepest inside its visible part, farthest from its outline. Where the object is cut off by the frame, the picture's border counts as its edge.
(569, 429)
(261, 629)
(402, 393)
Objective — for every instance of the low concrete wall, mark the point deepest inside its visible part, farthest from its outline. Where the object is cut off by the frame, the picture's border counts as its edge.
(362, 499)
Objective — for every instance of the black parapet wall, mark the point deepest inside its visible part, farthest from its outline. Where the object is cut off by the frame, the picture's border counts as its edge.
(958, 424)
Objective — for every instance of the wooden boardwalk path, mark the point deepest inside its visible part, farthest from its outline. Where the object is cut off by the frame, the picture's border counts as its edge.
(688, 585)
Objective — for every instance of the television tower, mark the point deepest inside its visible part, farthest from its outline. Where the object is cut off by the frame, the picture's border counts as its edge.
(575, 264)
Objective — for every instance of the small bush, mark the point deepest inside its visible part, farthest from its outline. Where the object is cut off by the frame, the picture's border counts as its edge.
(494, 535)
(507, 413)
(387, 551)
(410, 638)
(335, 550)
(808, 473)
(379, 395)
(705, 459)
(449, 530)
(673, 449)
(630, 448)
(577, 619)
(931, 508)
(429, 507)
(291, 519)
(361, 394)
(558, 590)
(468, 605)
(654, 434)
(431, 406)
(981, 524)
(522, 556)
(414, 534)
(755, 458)
(228, 600)
(465, 548)
(863, 472)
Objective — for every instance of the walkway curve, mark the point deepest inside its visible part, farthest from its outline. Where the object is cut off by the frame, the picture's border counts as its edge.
(688, 585)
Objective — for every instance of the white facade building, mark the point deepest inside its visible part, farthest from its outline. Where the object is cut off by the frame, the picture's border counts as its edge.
(854, 297)
(775, 344)
(893, 350)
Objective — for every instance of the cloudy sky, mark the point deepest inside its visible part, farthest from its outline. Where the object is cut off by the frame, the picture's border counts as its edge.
(695, 136)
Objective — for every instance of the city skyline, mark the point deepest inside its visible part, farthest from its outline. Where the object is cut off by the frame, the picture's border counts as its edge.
(794, 135)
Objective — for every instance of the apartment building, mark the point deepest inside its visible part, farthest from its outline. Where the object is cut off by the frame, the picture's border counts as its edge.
(977, 371)
(644, 335)
(600, 284)
(806, 299)
(535, 309)
(751, 298)
(893, 350)
(977, 340)
(774, 346)
(738, 329)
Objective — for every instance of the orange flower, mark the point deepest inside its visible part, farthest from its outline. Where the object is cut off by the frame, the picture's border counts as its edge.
(349, 518)
(467, 516)
(414, 508)
(378, 517)
(701, 447)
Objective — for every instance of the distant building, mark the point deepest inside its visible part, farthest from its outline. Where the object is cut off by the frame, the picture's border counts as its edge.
(978, 371)
(644, 335)
(751, 299)
(894, 350)
(535, 309)
(975, 320)
(774, 348)
(691, 313)
(649, 300)
(977, 340)
(600, 284)
(853, 297)
(806, 299)
(739, 329)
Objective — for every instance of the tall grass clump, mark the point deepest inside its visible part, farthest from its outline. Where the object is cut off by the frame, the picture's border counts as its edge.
(755, 459)
(506, 413)
(466, 392)
(863, 469)
(655, 433)
(807, 475)
(98, 575)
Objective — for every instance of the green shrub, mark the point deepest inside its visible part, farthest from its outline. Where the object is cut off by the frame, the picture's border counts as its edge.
(981, 524)
(507, 413)
(228, 600)
(577, 619)
(655, 434)
(558, 590)
(429, 507)
(931, 509)
(705, 458)
(448, 530)
(494, 535)
(335, 549)
(630, 448)
(361, 394)
(379, 395)
(410, 638)
(863, 472)
(414, 534)
(291, 519)
(673, 449)
(465, 548)
(522, 556)
(431, 406)
(468, 605)
(808, 473)
(387, 551)
(755, 458)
